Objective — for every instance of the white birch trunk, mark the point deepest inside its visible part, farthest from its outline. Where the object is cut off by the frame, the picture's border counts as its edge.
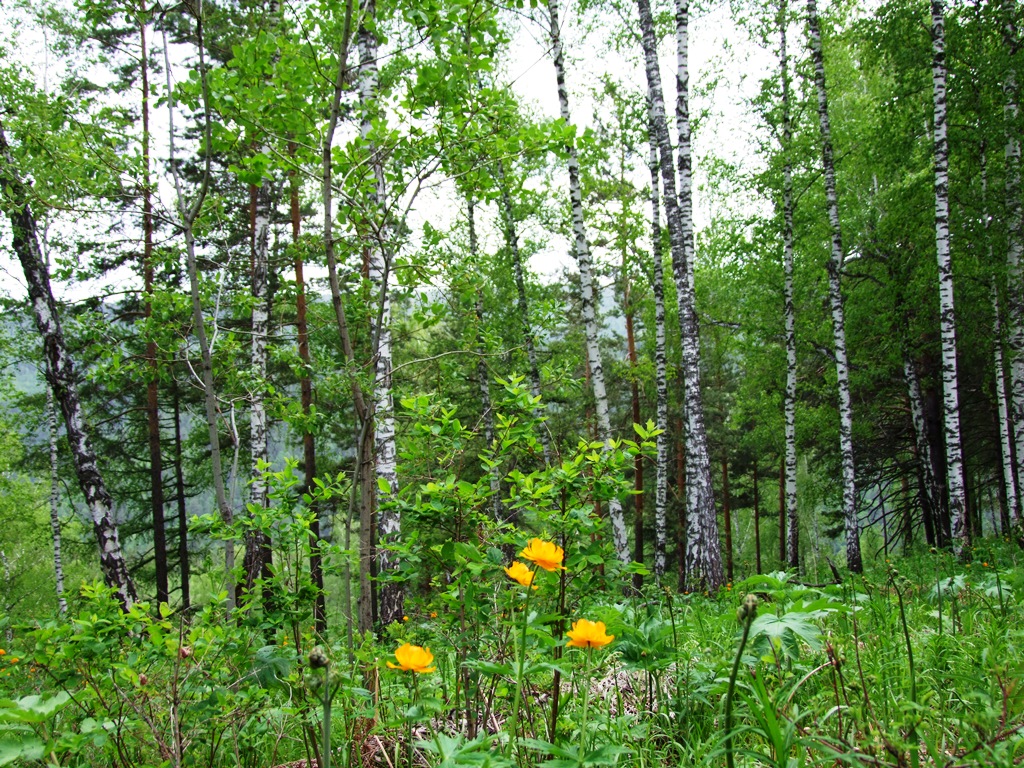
(792, 517)
(58, 563)
(703, 551)
(60, 375)
(947, 313)
(660, 372)
(835, 266)
(588, 299)
(256, 542)
(1002, 401)
(386, 457)
(1014, 242)
(685, 152)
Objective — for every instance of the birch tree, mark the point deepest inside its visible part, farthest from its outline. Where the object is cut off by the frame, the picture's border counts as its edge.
(379, 271)
(947, 313)
(60, 374)
(660, 369)
(703, 553)
(588, 299)
(835, 292)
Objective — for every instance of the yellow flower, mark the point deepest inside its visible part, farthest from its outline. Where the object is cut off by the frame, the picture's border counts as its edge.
(405, 618)
(545, 554)
(413, 658)
(588, 634)
(521, 573)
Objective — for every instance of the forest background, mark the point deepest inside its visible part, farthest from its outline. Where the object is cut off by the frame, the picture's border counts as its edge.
(305, 349)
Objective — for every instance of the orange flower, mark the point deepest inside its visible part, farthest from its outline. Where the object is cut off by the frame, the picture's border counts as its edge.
(544, 554)
(433, 614)
(3, 652)
(413, 658)
(521, 573)
(588, 634)
(15, 660)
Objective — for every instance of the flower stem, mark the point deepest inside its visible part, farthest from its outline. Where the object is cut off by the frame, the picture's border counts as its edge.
(746, 615)
(586, 704)
(520, 673)
(325, 752)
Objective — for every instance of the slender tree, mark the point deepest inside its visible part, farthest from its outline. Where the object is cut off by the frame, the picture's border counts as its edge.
(587, 294)
(789, 309)
(660, 371)
(703, 552)
(60, 374)
(58, 563)
(379, 271)
(947, 315)
(835, 292)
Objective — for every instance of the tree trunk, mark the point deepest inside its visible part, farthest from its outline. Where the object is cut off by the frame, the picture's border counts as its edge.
(783, 562)
(930, 491)
(58, 563)
(757, 521)
(1014, 237)
(835, 266)
(156, 478)
(638, 461)
(385, 453)
(703, 553)
(681, 527)
(792, 558)
(257, 540)
(179, 484)
(947, 314)
(660, 372)
(316, 573)
(1009, 484)
(60, 375)
(187, 215)
(587, 295)
(727, 519)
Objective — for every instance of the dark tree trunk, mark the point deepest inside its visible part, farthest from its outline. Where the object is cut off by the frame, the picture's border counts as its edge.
(316, 573)
(156, 476)
(757, 522)
(727, 519)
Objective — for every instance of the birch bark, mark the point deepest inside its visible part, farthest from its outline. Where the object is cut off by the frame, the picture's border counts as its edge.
(58, 563)
(947, 313)
(257, 541)
(835, 266)
(792, 517)
(588, 299)
(388, 522)
(1014, 237)
(60, 375)
(1002, 403)
(703, 551)
(660, 371)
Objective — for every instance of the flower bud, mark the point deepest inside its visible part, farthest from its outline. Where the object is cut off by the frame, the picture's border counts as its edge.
(318, 658)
